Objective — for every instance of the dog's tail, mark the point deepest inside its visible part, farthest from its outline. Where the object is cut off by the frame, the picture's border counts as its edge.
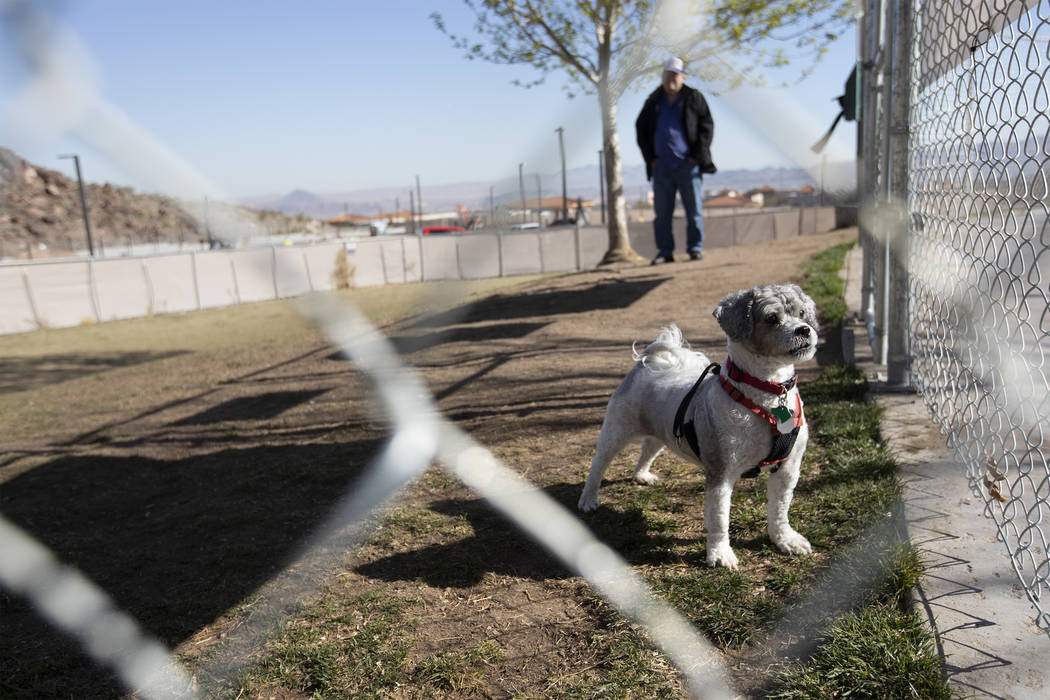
(669, 351)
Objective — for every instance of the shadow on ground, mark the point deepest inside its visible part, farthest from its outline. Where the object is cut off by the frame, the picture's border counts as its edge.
(175, 543)
(498, 547)
(24, 373)
(606, 294)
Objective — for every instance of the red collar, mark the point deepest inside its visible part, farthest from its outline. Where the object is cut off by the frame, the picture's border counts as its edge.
(739, 375)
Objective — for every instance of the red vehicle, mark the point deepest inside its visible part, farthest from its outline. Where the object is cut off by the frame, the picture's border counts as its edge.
(443, 230)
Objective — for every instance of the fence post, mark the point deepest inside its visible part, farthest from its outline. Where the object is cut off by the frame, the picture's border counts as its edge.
(579, 248)
(151, 294)
(306, 266)
(382, 261)
(867, 163)
(273, 261)
(539, 244)
(32, 301)
(196, 281)
(236, 285)
(93, 291)
(499, 245)
(404, 262)
(422, 260)
(897, 320)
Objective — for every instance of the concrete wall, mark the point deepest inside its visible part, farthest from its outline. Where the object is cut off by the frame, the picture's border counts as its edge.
(71, 292)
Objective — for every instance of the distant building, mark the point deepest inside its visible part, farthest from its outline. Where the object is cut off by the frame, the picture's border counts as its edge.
(549, 209)
(728, 199)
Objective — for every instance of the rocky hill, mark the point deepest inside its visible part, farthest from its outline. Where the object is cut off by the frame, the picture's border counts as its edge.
(40, 214)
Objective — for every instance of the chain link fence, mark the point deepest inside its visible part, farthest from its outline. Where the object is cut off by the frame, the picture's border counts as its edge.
(955, 151)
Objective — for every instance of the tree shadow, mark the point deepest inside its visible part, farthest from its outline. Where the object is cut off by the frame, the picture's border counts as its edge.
(176, 543)
(25, 373)
(247, 408)
(605, 294)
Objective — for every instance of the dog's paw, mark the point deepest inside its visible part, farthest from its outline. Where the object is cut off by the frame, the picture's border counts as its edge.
(587, 503)
(647, 478)
(722, 555)
(791, 542)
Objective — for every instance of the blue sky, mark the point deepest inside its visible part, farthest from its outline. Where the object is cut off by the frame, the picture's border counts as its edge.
(268, 97)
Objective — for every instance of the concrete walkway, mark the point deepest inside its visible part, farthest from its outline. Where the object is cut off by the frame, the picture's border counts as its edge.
(983, 622)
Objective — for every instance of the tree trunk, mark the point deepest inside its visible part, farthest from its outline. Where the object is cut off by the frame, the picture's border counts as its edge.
(620, 249)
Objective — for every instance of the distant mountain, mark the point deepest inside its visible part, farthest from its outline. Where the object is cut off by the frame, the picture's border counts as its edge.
(580, 182)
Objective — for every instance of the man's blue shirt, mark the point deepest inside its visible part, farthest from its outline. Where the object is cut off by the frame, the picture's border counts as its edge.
(669, 140)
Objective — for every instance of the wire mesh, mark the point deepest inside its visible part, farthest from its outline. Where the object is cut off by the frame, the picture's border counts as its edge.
(975, 300)
(418, 435)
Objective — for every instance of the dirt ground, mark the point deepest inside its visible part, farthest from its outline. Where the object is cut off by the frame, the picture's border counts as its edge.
(182, 482)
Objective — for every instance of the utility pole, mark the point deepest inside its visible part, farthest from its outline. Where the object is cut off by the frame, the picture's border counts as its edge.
(83, 203)
(492, 205)
(411, 211)
(521, 186)
(601, 179)
(564, 191)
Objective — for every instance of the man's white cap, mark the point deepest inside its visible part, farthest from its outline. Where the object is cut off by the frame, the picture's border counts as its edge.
(674, 65)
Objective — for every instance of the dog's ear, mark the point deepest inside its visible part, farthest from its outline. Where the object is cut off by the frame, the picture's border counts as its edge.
(734, 314)
(809, 307)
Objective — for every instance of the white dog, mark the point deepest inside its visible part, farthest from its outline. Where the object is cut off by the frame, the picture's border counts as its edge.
(748, 417)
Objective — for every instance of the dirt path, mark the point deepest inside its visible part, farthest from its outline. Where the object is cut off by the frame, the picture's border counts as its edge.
(184, 500)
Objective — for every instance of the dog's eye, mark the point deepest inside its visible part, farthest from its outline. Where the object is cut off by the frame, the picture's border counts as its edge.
(772, 319)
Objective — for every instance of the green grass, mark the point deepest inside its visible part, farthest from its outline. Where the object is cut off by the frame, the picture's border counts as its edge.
(338, 648)
(458, 671)
(823, 283)
(877, 652)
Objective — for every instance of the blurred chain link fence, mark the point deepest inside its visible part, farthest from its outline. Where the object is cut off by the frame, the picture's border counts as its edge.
(954, 153)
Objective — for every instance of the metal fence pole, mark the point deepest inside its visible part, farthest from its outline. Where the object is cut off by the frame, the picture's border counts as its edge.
(897, 321)
(31, 300)
(196, 280)
(96, 307)
(499, 245)
(579, 245)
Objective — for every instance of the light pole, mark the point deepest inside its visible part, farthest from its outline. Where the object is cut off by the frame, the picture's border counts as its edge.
(521, 187)
(83, 203)
(564, 193)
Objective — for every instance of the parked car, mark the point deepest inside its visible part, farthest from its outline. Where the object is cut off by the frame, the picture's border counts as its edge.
(444, 230)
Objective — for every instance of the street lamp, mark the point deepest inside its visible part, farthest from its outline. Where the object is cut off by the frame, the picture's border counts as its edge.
(83, 203)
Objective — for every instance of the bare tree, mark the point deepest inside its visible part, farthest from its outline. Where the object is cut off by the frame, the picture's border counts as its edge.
(605, 46)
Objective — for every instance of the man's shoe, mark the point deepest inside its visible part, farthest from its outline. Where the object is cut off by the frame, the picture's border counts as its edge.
(696, 255)
(661, 259)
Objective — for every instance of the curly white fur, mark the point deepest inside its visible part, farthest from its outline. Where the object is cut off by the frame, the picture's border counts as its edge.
(769, 328)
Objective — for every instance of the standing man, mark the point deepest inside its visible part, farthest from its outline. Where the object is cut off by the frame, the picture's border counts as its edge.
(674, 132)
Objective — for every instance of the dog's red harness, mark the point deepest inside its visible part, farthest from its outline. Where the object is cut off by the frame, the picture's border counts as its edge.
(785, 425)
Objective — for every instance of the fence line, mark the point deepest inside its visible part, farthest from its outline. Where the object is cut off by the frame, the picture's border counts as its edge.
(44, 294)
(955, 239)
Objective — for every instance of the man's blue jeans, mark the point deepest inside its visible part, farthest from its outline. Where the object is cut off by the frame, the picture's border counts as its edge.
(686, 180)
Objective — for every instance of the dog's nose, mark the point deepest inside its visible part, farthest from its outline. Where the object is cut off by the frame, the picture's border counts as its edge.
(802, 331)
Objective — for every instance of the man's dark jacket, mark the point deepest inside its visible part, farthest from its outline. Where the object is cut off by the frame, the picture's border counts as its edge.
(697, 125)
